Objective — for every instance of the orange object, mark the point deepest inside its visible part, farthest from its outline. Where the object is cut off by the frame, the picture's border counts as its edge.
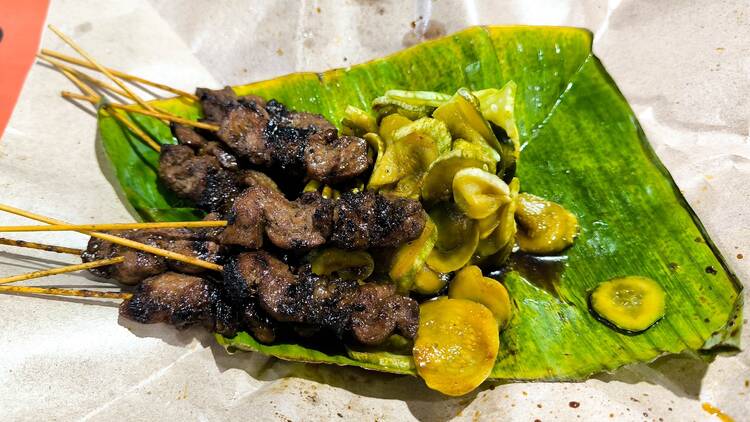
(21, 25)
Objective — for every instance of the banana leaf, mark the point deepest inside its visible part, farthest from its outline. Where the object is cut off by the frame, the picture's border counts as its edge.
(583, 148)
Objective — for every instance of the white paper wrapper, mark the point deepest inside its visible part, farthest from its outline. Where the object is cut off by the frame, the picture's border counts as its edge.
(684, 68)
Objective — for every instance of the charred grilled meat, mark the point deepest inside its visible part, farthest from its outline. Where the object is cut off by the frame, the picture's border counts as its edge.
(368, 313)
(358, 220)
(139, 265)
(267, 134)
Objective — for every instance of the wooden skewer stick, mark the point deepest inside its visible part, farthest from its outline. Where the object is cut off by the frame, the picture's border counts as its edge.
(92, 97)
(134, 109)
(40, 246)
(113, 227)
(62, 270)
(119, 240)
(57, 64)
(99, 67)
(64, 292)
(119, 74)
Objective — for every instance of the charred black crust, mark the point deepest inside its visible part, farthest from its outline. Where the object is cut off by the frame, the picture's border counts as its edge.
(235, 284)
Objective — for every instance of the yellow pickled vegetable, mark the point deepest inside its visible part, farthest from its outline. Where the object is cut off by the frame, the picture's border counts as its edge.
(456, 346)
(488, 225)
(464, 119)
(428, 282)
(457, 238)
(359, 121)
(500, 242)
(497, 106)
(413, 148)
(545, 226)
(631, 303)
(389, 125)
(388, 106)
(410, 257)
(349, 265)
(438, 182)
(470, 284)
(478, 193)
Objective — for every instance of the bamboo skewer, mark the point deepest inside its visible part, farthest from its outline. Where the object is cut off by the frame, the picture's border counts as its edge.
(62, 270)
(134, 109)
(53, 291)
(94, 98)
(99, 67)
(40, 246)
(113, 227)
(119, 74)
(119, 240)
(82, 75)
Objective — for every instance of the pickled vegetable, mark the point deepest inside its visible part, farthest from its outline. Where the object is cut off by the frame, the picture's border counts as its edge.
(359, 121)
(457, 238)
(428, 282)
(418, 98)
(413, 148)
(464, 119)
(438, 182)
(410, 257)
(470, 284)
(387, 106)
(456, 346)
(478, 193)
(545, 227)
(395, 353)
(500, 242)
(488, 225)
(348, 265)
(389, 125)
(497, 107)
(632, 303)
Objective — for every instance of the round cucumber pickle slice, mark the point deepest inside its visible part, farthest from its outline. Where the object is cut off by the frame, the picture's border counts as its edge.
(632, 304)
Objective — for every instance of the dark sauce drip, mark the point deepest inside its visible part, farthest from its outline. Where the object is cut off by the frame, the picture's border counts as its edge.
(543, 272)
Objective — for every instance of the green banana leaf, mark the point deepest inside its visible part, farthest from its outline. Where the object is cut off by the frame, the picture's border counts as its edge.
(583, 148)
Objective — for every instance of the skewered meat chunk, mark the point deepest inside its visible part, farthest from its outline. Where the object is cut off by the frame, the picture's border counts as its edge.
(301, 224)
(364, 220)
(332, 159)
(139, 265)
(268, 134)
(369, 313)
(200, 178)
(178, 299)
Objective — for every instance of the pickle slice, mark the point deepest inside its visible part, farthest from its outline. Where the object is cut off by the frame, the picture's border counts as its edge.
(410, 257)
(632, 304)
(457, 238)
(348, 265)
(471, 284)
(479, 193)
(545, 227)
(428, 282)
(456, 346)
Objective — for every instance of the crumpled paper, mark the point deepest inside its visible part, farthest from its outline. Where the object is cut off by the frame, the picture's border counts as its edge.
(684, 68)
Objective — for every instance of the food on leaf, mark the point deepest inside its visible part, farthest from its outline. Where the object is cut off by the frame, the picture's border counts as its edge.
(631, 303)
(339, 263)
(545, 227)
(410, 257)
(359, 121)
(438, 182)
(457, 238)
(470, 284)
(501, 241)
(465, 120)
(479, 193)
(456, 346)
(428, 282)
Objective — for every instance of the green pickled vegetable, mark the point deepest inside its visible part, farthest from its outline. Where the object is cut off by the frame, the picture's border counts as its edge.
(465, 120)
(496, 247)
(631, 304)
(545, 226)
(418, 98)
(389, 125)
(385, 106)
(359, 121)
(410, 257)
(457, 238)
(479, 193)
(438, 182)
(498, 108)
(413, 148)
(348, 265)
